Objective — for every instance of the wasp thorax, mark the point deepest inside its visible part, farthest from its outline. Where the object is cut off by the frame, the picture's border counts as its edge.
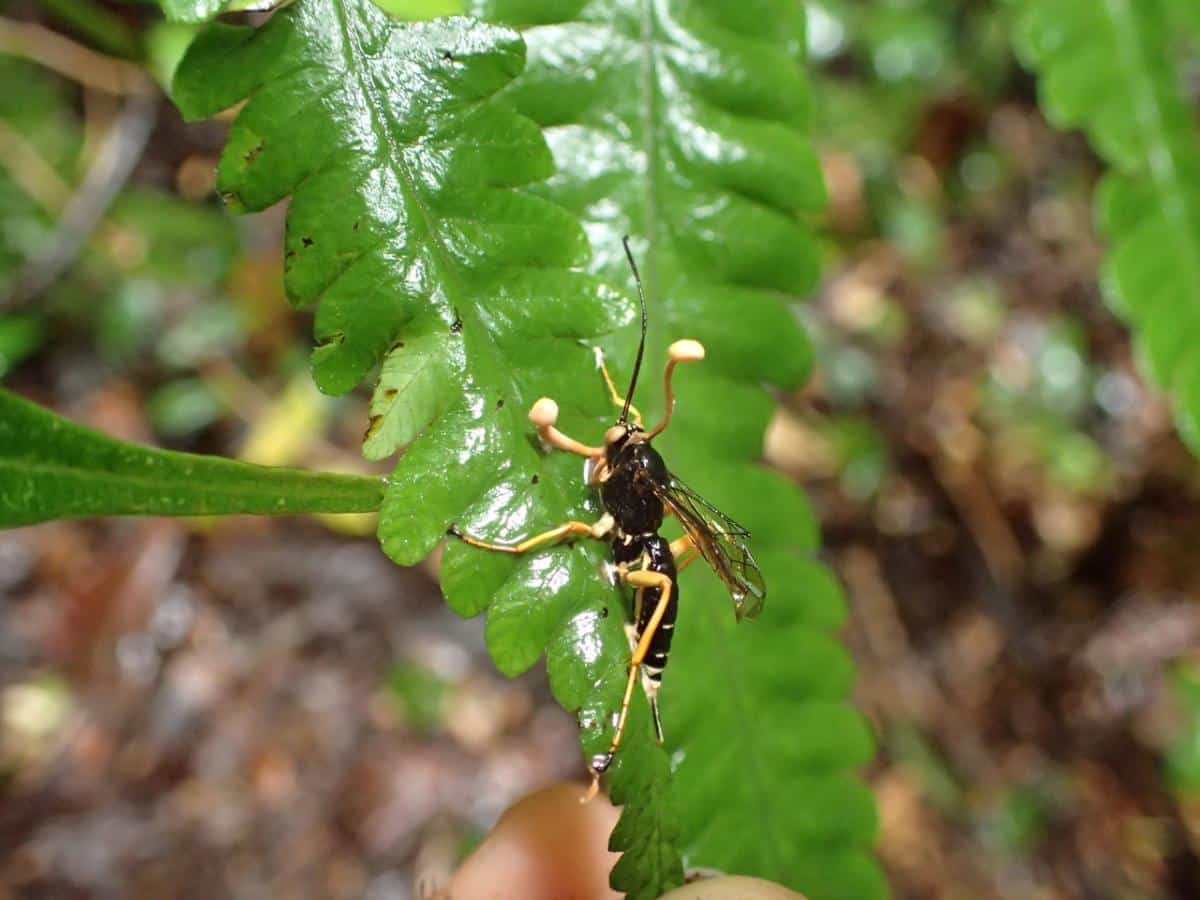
(617, 438)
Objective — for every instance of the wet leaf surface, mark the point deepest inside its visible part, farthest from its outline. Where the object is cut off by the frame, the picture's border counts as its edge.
(408, 225)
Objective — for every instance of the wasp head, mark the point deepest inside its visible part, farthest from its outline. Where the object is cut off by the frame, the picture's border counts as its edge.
(618, 436)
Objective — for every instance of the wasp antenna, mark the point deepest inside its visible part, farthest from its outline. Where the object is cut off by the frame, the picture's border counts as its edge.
(637, 365)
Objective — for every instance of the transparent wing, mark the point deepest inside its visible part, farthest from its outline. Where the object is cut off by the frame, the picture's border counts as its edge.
(724, 544)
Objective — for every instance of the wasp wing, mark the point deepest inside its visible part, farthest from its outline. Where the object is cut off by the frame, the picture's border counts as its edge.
(724, 544)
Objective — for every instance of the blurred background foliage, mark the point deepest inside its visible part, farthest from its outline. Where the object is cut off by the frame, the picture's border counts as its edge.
(1004, 498)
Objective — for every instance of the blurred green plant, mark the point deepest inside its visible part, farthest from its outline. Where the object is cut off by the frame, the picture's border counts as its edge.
(420, 696)
(861, 452)
(40, 139)
(909, 747)
(1183, 752)
(1112, 69)
(97, 24)
(1039, 400)
(884, 69)
(20, 336)
(149, 289)
(183, 406)
(1018, 818)
(160, 273)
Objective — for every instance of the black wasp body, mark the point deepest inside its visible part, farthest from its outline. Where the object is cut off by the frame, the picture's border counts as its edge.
(638, 492)
(632, 495)
(632, 489)
(651, 553)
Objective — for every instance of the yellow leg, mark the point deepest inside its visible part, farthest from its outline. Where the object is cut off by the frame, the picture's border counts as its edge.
(612, 388)
(685, 552)
(580, 529)
(638, 579)
(684, 549)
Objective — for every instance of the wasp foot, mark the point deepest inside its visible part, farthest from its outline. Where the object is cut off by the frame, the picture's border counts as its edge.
(600, 764)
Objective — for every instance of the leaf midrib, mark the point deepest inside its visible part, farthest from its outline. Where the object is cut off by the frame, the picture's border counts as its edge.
(22, 464)
(649, 41)
(648, 45)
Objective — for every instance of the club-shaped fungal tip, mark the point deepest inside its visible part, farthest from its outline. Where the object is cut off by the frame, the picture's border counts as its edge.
(544, 413)
(686, 350)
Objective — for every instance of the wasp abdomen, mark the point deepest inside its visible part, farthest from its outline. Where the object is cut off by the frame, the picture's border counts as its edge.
(651, 553)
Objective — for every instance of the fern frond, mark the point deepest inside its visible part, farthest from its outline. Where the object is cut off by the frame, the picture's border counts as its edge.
(1106, 66)
(683, 124)
(409, 227)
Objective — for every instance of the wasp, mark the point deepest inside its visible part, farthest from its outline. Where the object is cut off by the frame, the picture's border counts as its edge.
(638, 491)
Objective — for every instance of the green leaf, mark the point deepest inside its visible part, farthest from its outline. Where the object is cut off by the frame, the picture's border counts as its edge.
(1185, 14)
(1182, 754)
(683, 124)
(407, 224)
(421, 9)
(417, 382)
(1108, 68)
(20, 336)
(193, 11)
(51, 468)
